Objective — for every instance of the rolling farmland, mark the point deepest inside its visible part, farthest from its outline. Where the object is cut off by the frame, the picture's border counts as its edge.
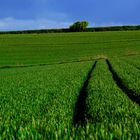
(70, 86)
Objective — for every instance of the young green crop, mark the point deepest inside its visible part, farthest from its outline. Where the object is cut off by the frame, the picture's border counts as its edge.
(44, 95)
(39, 102)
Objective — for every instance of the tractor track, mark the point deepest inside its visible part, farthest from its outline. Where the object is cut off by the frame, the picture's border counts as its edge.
(130, 93)
(80, 107)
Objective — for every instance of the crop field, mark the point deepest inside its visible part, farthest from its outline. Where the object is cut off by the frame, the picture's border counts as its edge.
(70, 86)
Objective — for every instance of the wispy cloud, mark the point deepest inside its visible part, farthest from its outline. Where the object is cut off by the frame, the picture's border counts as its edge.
(104, 24)
(10, 23)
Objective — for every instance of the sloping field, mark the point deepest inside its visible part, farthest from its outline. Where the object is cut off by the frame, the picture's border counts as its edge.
(70, 86)
(39, 49)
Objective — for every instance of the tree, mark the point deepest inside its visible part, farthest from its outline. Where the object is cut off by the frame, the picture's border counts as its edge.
(79, 26)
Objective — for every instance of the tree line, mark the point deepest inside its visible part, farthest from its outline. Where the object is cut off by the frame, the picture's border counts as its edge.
(78, 26)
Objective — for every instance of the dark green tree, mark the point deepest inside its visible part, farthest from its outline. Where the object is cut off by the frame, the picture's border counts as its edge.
(79, 26)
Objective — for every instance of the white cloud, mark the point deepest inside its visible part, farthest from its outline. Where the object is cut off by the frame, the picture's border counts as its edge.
(104, 24)
(10, 23)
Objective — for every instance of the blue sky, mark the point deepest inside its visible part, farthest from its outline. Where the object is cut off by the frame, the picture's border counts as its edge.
(38, 14)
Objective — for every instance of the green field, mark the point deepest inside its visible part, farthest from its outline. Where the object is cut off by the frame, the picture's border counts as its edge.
(70, 86)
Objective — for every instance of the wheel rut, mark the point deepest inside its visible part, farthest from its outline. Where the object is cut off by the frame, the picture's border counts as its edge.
(130, 93)
(80, 107)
